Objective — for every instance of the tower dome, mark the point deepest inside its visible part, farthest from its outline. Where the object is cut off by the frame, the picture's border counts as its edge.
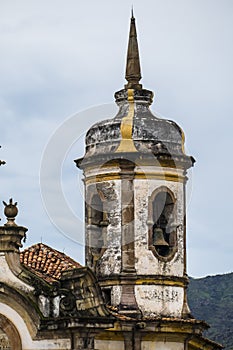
(135, 129)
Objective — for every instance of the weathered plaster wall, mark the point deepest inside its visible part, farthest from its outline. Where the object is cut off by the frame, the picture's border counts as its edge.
(7, 277)
(116, 295)
(146, 262)
(98, 181)
(157, 300)
(110, 262)
(109, 345)
(151, 345)
(160, 300)
(153, 299)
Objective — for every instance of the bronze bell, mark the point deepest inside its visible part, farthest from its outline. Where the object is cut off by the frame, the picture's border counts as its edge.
(158, 239)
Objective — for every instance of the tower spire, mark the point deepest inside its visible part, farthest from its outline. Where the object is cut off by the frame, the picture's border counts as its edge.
(133, 70)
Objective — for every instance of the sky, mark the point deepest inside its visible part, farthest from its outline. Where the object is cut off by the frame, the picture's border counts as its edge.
(62, 61)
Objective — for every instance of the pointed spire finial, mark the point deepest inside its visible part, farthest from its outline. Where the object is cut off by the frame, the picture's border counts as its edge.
(133, 70)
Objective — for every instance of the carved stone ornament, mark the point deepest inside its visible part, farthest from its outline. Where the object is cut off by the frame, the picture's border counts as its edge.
(10, 211)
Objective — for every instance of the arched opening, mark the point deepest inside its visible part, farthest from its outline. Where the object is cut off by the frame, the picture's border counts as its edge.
(96, 219)
(163, 231)
(96, 210)
(9, 336)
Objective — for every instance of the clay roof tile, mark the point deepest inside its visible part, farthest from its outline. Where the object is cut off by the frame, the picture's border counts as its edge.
(47, 262)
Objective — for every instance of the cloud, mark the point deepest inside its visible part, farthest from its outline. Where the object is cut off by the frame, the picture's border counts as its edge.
(59, 58)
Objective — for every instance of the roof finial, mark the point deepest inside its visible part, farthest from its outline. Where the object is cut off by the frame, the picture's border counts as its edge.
(10, 212)
(133, 71)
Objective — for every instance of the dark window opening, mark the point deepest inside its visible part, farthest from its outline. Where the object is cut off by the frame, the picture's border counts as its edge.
(107, 296)
(97, 222)
(96, 210)
(163, 235)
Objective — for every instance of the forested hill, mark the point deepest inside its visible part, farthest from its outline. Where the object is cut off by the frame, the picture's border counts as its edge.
(211, 299)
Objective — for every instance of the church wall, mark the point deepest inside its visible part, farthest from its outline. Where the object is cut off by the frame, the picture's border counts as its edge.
(109, 345)
(9, 278)
(160, 345)
(156, 300)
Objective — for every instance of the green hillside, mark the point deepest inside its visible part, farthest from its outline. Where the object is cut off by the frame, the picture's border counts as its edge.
(211, 299)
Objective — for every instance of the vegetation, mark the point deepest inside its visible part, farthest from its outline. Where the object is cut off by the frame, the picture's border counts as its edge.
(211, 299)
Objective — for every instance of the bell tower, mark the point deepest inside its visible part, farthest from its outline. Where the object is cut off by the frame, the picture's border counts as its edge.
(135, 179)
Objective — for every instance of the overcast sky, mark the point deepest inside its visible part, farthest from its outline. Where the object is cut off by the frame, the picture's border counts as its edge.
(62, 61)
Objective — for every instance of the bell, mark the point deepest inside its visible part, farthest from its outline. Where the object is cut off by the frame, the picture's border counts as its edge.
(158, 239)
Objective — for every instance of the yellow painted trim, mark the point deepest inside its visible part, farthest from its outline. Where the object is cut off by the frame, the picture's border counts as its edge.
(102, 178)
(109, 164)
(158, 332)
(114, 334)
(183, 141)
(139, 175)
(160, 282)
(201, 344)
(144, 281)
(160, 176)
(126, 144)
(170, 334)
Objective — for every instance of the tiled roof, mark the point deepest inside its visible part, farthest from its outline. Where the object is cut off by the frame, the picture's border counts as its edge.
(46, 262)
